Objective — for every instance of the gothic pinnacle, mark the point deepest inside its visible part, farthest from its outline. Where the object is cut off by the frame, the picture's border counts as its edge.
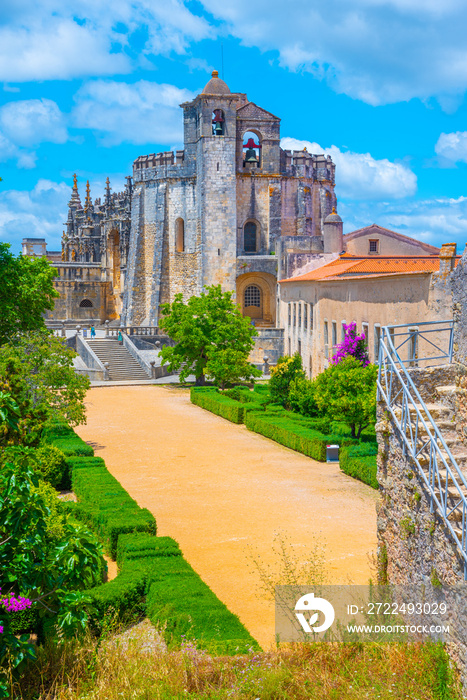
(75, 201)
(107, 191)
(88, 201)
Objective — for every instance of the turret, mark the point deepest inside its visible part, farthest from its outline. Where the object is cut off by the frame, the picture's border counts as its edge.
(333, 233)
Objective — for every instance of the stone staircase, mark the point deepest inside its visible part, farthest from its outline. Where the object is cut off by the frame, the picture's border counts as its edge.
(442, 414)
(122, 366)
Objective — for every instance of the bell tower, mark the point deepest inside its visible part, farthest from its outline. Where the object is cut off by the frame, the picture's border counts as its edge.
(210, 126)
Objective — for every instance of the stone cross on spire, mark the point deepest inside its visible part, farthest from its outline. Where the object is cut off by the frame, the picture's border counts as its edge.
(75, 202)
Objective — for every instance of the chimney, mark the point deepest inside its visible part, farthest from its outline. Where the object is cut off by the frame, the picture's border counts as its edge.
(447, 258)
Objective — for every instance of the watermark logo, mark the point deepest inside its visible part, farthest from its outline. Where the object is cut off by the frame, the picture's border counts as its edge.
(308, 603)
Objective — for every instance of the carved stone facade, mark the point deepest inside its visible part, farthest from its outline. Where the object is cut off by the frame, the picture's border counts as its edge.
(231, 208)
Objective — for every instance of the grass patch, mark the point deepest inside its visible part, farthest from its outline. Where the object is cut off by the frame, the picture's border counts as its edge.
(76, 670)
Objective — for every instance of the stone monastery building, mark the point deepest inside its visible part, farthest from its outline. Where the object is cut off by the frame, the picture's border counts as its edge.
(234, 208)
(225, 210)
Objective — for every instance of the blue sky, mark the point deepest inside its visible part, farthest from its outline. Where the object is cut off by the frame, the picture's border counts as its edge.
(88, 86)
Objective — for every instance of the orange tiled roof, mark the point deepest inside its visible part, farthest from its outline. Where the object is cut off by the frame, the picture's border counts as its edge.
(348, 266)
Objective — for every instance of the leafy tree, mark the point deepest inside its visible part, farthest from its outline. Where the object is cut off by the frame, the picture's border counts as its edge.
(26, 292)
(44, 555)
(37, 372)
(353, 345)
(228, 366)
(302, 397)
(282, 375)
(346, 391)
(204, 327)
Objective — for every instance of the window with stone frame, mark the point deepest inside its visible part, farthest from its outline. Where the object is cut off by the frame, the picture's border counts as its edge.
(289, 314)
(377, 340)
(326, 340)
(180, 236)
(294, 314)
(305, 317)
(252, 296)
(249, 237)
(373, 246)
(299, 314)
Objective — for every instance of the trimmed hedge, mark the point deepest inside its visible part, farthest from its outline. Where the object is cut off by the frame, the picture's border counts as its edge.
(62, 436)
(145, 546)
(179, 600)
(359, 461)
(78, 462)
(122, 599)
(223, 406)
(156, 580)
(292, 434)
(107, 507)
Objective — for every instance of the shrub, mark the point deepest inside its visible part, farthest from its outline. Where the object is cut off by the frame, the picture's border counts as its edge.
(302, 397)
(353, 345)
(346, 391)
(145, 546)
(212, 400)
(120, 600)
(62, 436)
(107, 507)
(79, 461)
(282, 375)
(359, 461)
(178, 599)
(292, 434)
(50, 465)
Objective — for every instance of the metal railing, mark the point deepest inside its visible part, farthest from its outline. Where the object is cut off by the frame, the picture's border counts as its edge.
(421, 437)
(424, 344)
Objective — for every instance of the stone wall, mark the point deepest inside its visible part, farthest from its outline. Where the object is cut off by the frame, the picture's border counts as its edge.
(414, 546)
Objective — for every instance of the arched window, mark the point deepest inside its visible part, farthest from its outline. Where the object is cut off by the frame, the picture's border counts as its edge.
(218, 122)
(180, 236)
(249, 237)
(252, 296)
(85, 304)
(251, 149)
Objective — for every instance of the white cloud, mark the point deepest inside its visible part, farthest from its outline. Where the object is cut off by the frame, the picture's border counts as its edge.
(359, 176)
(48, 39)
(379, 51)
(434, 221)
(28, 122)
(38, 213)
(453, 146)
(140, 113)
(9, 151)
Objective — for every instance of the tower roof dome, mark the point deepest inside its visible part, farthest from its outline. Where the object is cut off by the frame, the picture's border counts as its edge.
(216, 86)
(333, 217)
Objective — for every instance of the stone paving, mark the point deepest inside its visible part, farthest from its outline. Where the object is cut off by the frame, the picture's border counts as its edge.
(219, 489)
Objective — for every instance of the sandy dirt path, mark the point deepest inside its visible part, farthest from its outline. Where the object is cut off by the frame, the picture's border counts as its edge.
(217, 488)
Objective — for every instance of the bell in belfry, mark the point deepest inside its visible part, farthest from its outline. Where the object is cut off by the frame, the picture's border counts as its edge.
(218, 122)
(250, 155)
